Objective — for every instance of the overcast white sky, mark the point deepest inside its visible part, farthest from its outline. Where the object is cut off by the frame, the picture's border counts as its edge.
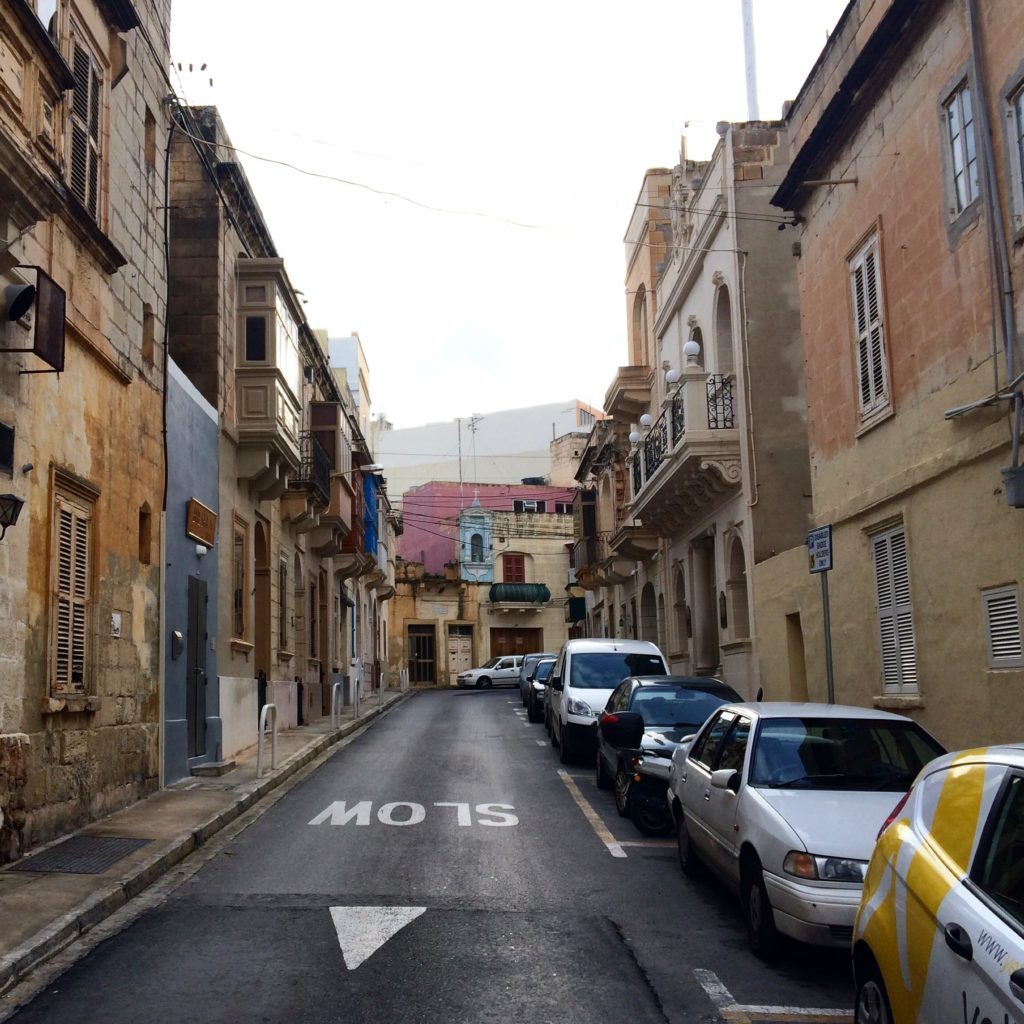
(546, 113)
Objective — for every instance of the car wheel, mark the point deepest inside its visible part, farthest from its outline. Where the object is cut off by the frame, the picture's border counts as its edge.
(687, 854)
(757, 910)
(565, 752)
(532, 711)
(648, 820)
(551, 733)
(547, 721)
(601, 776)
(483, 682)
(872, 1003)
(622, 781)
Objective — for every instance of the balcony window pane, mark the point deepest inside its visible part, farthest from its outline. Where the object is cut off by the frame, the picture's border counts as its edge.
(255, 339)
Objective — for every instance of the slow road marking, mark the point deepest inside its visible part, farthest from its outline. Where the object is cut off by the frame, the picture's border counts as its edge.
(363, 930)
(735, 1013)
(599, 827)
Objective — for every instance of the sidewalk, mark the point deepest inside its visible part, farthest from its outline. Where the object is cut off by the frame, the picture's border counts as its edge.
(42, 912)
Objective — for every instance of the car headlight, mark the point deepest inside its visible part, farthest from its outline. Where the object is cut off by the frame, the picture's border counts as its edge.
(579, 707)
(826, 869)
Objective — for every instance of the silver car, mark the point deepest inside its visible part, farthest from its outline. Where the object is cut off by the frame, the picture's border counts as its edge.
(503, 670)
(783, 801)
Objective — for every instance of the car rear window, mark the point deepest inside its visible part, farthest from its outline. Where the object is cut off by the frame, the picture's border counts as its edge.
(604, 670)
(675, 707)
(543, 671)
(837, 753)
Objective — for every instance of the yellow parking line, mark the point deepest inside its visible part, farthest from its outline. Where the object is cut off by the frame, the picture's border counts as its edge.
(599, 827)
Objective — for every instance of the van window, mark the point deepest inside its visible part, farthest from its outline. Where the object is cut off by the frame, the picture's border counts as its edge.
(604, 670)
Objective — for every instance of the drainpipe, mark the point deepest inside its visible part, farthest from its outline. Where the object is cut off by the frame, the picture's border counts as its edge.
(997, 235)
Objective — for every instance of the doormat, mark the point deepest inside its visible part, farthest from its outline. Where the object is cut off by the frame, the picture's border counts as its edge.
(81, 855)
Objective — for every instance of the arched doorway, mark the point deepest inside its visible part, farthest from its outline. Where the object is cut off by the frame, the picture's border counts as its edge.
(300, 639)
(648, 614)
(682, 616)
(324, 645)
(261, 626)
(736, 592)
(662, 625)
(706, 653)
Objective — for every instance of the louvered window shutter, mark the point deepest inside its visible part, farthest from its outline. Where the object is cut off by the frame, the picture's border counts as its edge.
(895, 615)
(71, 600)
(84, 169)
(865, 280)
(1002, 627)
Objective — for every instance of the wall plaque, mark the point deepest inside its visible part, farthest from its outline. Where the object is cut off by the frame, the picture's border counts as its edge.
(201, 523)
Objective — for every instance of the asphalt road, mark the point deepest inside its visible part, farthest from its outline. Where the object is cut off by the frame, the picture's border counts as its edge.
(441, 868)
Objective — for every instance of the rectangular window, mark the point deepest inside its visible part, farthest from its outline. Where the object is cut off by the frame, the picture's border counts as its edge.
(72, 591)
(85, 130)
(239, 576)
(895, 614)
(869, 329)
(563, 508)
(255, 339)
(1001, 611)
(514, 568)
(963, 150)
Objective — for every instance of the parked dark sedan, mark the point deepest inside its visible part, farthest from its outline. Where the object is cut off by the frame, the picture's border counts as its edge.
(670, 708)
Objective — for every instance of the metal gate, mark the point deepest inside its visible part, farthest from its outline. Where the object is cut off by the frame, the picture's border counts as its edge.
(422, 654)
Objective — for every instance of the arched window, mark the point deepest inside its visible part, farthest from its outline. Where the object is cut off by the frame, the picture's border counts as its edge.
(476, 548)
(723, 332)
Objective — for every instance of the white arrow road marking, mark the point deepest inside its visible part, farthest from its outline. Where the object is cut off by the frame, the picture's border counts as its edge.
(730, 1010)
(363, 930)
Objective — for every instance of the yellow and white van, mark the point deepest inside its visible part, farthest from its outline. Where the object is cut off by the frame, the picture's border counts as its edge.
(939, 935)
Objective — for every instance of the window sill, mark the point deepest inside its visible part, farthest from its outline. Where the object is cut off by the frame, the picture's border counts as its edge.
(285, 655)
(874, 420)
(242, 646)
(74, 702)
(110, 258)
(898, 701)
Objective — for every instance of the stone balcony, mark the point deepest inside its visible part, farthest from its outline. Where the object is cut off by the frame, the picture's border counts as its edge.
(268, 431)
(629, 394)
(690, 457)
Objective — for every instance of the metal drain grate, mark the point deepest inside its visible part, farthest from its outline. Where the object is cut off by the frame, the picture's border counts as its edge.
(81, 855)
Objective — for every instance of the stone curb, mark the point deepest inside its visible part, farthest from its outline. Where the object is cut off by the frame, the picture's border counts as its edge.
(59, 934)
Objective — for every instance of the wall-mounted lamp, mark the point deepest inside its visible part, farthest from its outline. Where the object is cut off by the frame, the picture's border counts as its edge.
(201, 550)
(692, 352)
(672, 376)
(646, 420)
(10, 509)
(634, 437)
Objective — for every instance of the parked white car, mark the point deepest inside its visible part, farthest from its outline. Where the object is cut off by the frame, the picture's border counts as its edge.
(940, 933)
(582, 680)
(783, 801)
(498, 671)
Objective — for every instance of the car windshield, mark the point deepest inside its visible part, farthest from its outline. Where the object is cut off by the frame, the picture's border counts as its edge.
(543, 671)
(677, 708)
(604, 670)
(490, 664)
(840, 753)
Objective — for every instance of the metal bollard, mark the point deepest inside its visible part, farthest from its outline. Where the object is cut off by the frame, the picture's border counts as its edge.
(337, 698)
(264, 713)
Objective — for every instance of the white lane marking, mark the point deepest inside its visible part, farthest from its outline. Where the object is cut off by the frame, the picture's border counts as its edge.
(663, 844)
(363, 930)
(735, 1013)
(599, 827)
(541, 743)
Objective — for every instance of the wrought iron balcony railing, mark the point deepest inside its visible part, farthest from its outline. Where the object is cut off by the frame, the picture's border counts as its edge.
(720, 402)
(315, 468)
(678, 414)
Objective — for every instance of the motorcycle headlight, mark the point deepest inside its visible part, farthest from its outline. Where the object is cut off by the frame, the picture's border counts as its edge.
(579, 707)
(826, 869)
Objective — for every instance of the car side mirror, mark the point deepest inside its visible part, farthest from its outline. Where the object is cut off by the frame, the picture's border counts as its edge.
(556, 683)
(622, 729)
(726, 778)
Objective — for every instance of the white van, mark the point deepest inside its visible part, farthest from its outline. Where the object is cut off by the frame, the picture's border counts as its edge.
(582, 681)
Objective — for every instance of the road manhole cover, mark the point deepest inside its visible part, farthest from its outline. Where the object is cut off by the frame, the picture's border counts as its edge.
(81, 855)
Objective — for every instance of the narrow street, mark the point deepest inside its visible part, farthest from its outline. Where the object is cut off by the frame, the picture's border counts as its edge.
(449, 824)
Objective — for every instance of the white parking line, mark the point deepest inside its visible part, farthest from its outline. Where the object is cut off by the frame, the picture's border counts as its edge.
(599, 827)
(663, 844)
(730, 1010)
(542, 743)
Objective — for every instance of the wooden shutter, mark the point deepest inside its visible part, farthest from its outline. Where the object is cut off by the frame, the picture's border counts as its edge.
(84, 169)
(1002, 627)
(895, 614)
(868, 327)
(514, 568)
(71, 597)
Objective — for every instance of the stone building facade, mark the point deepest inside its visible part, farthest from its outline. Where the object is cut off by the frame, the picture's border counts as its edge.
(907, 179)
(83, 134)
